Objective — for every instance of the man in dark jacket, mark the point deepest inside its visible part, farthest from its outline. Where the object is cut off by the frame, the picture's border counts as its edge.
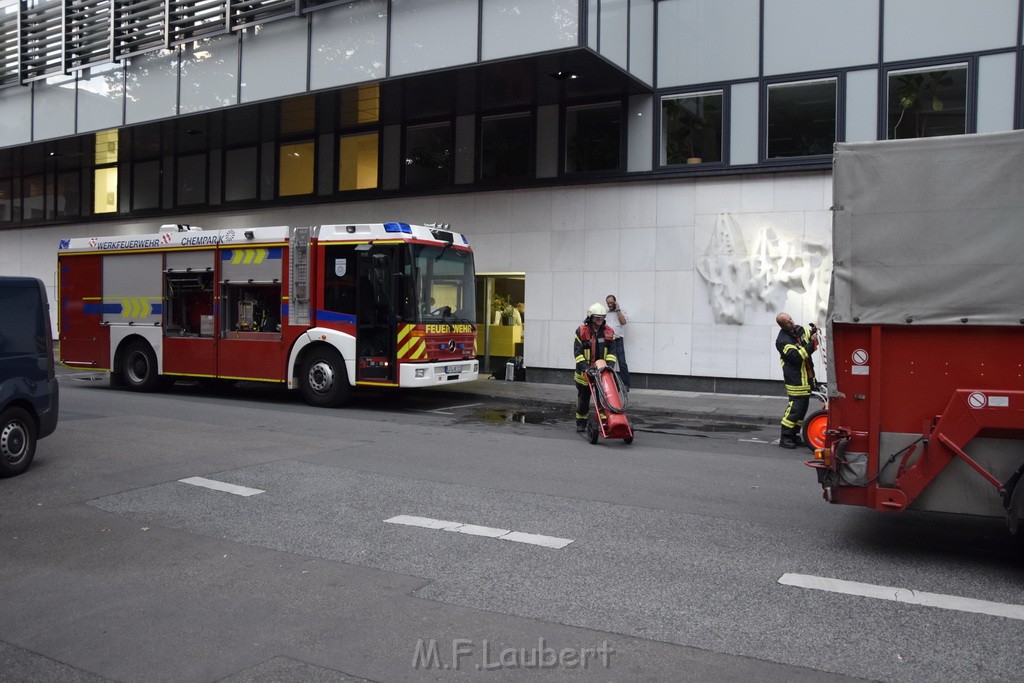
(594, 342)
(795, 345)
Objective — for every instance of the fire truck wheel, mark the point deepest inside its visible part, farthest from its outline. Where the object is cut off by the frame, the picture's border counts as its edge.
(17, 441)
(814, 429)
(138, 367)
(324, 380)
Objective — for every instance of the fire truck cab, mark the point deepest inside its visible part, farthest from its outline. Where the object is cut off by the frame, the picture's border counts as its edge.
(322, 308)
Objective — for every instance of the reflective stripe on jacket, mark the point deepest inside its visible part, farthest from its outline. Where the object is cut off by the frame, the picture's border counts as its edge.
(589, 347)
(797, 365)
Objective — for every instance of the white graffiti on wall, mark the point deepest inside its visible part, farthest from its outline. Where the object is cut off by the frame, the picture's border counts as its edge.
(764, 275)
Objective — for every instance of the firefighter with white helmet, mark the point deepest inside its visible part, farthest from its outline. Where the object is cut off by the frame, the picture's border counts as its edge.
(594, 343)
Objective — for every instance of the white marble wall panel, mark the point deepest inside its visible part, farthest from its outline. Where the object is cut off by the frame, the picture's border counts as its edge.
(538, 349)
(674, 248)
(801, 192)
(492, 252)
(715, 350)
(640, 348)
(671, 349)
(567, 301)
(53, 109)
(209, 74)
(532, 209)
(635, 294)
(151, 86)
(459, 210)
(348, 44)
(11, 259)
(756, 350)
(568, 208)
(540, 294)
(676, 203)
(757, 193)
(100, 98)
(567, 250)
(718, 196)
(494, 211)
(596, 287)
(601, 251)
(531, 251)
(637, 250)
(603, 204)
(275, 60)
(560, 342)
(638, 205)
(673, 296)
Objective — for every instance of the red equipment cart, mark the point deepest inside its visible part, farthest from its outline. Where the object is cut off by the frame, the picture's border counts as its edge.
(608, 418)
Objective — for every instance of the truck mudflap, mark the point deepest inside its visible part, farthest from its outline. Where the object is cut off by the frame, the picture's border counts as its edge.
(968, 414)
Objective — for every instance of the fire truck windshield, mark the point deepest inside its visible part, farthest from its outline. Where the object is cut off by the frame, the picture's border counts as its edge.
(444, 284)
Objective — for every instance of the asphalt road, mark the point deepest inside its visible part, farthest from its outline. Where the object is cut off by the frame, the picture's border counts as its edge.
(114, 569)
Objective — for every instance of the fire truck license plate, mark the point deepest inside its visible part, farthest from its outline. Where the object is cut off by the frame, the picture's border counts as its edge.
(452, 369)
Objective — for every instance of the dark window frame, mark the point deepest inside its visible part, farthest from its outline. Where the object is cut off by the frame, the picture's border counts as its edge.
(721, 89)
(839, 77)
(969, 62)
(563, 137)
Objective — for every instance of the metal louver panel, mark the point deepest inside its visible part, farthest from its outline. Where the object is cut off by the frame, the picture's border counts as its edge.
(87, 37)
(138, 26)
(42, 51)
(188, 20)
(9, 49)
(247, 12)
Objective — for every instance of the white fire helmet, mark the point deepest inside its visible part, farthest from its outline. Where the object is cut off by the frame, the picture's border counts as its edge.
(597, 309)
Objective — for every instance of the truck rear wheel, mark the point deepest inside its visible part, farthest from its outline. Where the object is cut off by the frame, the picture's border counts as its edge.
(17, 441)
(324, 379)
(138, 367)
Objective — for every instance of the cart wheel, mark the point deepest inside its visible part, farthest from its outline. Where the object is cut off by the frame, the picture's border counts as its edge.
(814, 429)
(627, 440)
(591, 433)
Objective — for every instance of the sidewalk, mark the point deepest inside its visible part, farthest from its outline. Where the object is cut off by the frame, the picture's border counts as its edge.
(718, 407)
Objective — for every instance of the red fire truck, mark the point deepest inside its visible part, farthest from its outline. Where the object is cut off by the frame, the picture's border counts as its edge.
(322, 308)
(926, 327)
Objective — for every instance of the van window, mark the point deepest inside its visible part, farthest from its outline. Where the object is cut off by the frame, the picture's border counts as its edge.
(22, 331)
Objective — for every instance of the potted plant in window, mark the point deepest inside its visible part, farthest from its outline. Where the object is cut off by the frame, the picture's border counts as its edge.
(918, 93)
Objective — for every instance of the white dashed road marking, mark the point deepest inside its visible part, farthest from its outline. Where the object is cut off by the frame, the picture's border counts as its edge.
(221, 486)
(870, 590)
(474, 530)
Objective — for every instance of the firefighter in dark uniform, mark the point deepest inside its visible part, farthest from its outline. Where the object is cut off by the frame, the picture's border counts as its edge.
(795, 345)
(594, 341)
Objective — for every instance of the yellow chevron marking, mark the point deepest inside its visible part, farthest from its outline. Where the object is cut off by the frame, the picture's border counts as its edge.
(261, 254)
(236, 256)
(420, 351)
(405, 349)
(404, 331)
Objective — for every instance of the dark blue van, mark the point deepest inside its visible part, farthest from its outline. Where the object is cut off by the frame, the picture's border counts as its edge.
(28, 385)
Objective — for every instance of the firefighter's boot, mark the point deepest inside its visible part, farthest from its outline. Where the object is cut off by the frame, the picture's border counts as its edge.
(788, 439)
(581, 425)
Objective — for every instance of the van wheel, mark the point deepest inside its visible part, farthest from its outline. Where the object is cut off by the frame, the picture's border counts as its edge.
(17, 441)
(138, 367)
(324, 379)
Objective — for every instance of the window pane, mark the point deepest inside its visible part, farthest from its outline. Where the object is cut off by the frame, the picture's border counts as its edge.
(298, 115)
(106, 147)
(592, 138)
(691, 129)
(105, 190)
(428, 155)
(33, 198)
(69, 195)
(801, 119)
(357, 155)
(6, 202)
(928, 103)
(240, 174)
(360, 105)
(296, 169)
(192, 180)
(505, 146)
(146, 185)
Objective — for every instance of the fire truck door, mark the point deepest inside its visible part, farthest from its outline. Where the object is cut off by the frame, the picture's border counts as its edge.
(377, 299)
